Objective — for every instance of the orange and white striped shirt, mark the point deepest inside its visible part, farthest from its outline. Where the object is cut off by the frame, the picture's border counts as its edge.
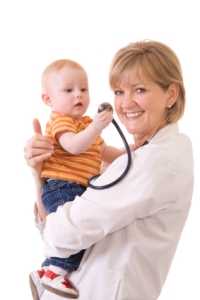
(64, 165)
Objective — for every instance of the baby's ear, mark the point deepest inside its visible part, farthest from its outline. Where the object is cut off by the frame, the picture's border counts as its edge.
(46, 99)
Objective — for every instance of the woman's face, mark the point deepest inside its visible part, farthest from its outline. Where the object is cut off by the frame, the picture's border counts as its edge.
(141, 104)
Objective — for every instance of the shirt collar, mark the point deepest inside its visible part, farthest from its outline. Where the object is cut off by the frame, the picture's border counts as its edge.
(165, 133)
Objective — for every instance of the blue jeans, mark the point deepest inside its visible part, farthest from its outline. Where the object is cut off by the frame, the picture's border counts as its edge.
(54, 194)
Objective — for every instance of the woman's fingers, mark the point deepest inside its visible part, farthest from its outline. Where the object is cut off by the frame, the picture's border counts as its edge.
(38, 148)
(32, 152)
(40, 142)
(35, 160)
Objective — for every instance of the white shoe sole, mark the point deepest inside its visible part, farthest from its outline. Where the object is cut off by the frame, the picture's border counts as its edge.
(35, 289)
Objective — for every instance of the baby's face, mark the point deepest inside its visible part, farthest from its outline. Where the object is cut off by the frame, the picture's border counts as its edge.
(68, 92)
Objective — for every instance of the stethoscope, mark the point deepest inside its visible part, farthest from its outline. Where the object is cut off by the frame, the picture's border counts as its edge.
(107, 106)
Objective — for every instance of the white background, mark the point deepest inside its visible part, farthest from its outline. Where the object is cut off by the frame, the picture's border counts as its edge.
(34, 33)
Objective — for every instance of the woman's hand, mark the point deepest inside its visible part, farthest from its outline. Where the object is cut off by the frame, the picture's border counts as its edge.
(38, 148)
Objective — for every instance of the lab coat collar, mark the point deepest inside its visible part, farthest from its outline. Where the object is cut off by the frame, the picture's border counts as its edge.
(165, 133)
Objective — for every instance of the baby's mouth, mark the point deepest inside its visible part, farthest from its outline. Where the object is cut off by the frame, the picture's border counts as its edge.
(79, 104)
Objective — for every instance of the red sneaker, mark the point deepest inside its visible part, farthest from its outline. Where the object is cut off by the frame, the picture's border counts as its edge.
(59, 285)
(35, 283)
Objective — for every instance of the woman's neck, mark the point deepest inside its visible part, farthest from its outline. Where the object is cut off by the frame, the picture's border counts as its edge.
(140, 139)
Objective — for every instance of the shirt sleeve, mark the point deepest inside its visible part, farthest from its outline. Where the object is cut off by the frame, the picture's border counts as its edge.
(149, 186)
(62, 124)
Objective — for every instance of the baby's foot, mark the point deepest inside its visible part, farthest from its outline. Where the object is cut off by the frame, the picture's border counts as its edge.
(35, 283)
(59, 284)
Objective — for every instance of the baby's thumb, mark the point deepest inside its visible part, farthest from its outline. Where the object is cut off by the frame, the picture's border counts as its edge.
(37, 127)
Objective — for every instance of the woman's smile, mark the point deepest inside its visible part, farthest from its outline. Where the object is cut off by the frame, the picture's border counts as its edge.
(133, 115)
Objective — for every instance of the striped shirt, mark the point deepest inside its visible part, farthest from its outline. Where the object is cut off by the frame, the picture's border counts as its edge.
(64, 165)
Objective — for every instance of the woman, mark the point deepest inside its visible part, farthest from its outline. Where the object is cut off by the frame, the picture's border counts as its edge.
(130, 230)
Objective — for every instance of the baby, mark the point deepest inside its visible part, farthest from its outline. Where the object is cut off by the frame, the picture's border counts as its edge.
(78, 154)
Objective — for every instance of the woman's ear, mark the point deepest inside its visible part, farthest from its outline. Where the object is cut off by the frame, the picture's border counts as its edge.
(173, 93)
(46, 99)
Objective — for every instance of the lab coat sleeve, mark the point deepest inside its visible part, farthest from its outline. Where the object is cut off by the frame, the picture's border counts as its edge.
(149, 187)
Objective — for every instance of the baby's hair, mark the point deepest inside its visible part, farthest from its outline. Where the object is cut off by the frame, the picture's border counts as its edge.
(58, 65)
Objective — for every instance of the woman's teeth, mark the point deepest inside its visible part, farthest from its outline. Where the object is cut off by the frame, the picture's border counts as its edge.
(134, 114)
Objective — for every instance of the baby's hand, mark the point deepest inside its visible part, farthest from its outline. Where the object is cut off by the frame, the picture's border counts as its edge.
(102, 119)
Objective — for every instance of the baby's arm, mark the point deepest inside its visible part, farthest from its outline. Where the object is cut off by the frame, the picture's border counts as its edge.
(110, 153)
(76, 143)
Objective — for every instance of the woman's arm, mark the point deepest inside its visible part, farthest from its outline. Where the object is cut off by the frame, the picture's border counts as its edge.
(37, 149)
(40, 212)
(97, 213)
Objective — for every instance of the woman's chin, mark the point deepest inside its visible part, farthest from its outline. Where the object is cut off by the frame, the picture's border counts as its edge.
(133, 126)
(133, 129)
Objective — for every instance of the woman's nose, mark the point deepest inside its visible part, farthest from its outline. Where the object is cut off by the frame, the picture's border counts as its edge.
(128, 100)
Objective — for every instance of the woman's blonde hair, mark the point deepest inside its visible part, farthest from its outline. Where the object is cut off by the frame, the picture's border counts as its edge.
(156, 61)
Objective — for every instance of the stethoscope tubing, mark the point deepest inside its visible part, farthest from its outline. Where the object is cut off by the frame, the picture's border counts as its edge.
(128, 165)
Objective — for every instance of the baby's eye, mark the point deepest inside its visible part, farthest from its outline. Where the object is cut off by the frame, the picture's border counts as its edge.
(68, 90)
(84, 90)
(118, 92)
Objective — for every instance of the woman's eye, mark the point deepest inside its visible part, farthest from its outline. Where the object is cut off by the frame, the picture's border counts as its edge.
(118, 92)
(140, 90)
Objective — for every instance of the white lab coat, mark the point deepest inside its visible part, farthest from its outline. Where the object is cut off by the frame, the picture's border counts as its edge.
(130, 230)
